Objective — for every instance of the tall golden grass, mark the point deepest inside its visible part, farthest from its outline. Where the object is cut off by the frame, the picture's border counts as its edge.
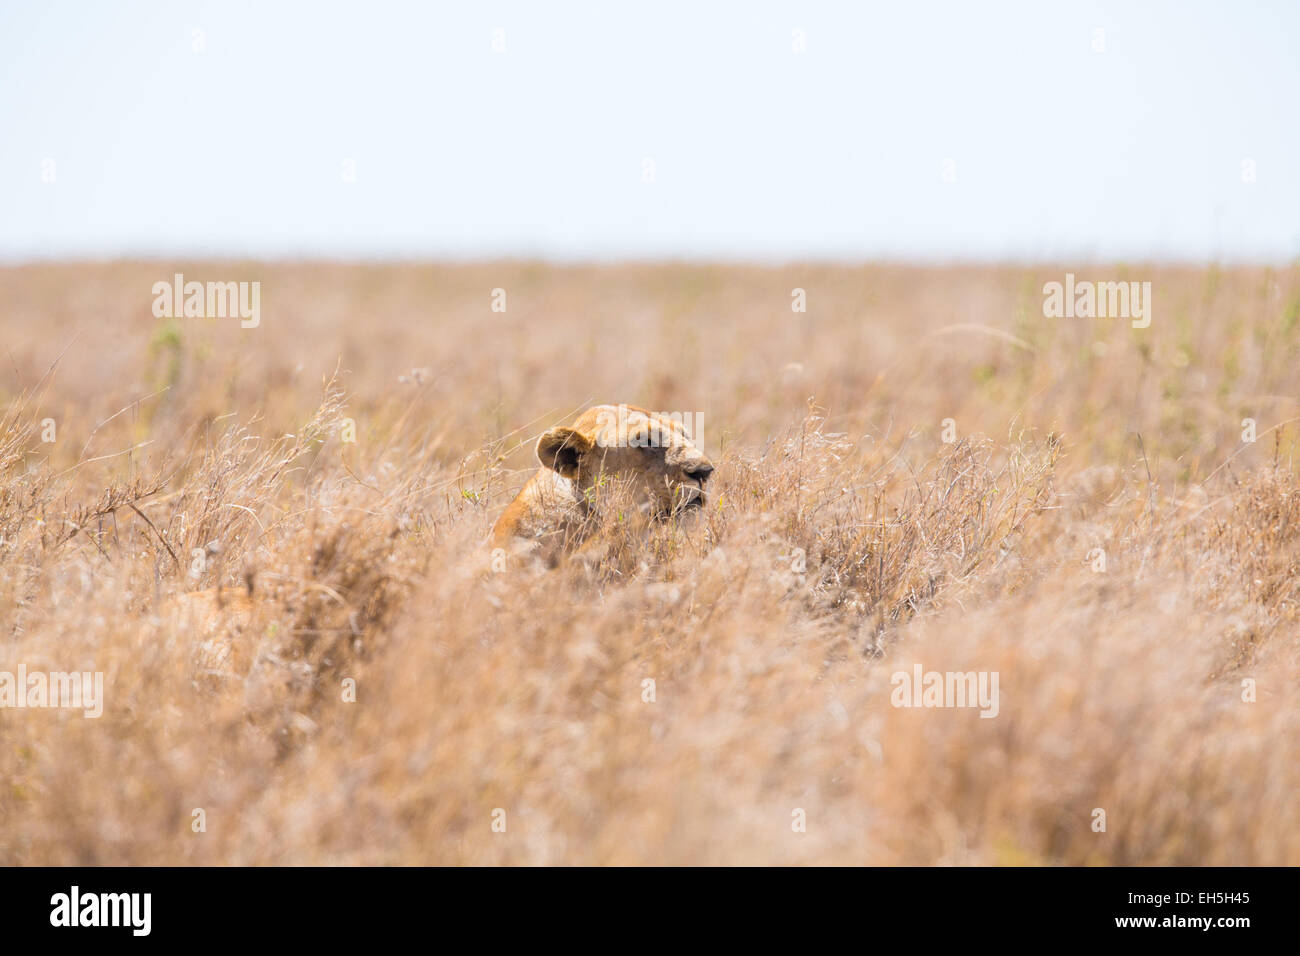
(1097, 533)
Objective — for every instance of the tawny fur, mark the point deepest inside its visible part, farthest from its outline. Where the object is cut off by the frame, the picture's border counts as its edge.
(651, 452)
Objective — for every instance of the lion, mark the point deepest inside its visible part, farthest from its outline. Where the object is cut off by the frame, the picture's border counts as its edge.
(648, 452)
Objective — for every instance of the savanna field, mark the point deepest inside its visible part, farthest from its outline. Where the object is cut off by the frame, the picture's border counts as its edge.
(921, 469)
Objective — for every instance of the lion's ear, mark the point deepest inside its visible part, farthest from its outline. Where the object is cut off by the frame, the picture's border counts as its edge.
(562, 448)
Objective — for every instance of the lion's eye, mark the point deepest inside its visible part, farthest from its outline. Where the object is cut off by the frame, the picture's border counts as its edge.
(700, 473)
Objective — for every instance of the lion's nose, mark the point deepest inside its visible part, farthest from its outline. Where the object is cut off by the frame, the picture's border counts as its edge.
(699, 472)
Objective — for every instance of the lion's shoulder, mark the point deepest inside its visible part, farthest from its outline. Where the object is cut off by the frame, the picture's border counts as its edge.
(542, 507)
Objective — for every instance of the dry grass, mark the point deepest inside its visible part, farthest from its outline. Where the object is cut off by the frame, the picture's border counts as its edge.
(846, 542)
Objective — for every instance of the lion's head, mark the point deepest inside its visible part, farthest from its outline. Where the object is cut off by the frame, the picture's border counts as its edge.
(652, 451)
(651, 454)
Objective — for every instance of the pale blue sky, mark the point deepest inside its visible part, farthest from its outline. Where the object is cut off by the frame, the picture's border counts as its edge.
(759, 152)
